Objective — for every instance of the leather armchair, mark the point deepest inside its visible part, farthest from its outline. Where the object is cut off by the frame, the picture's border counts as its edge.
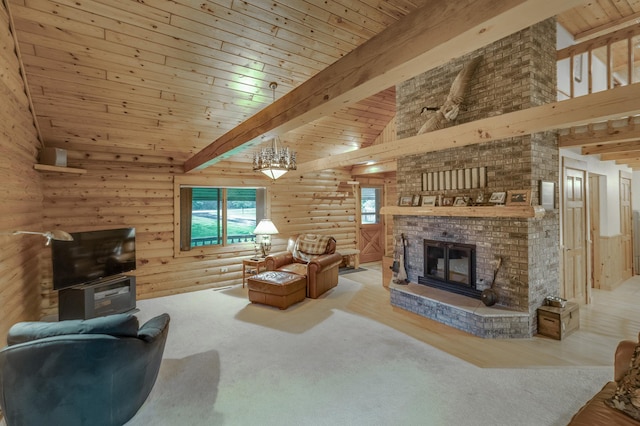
(596, 411)
(80, 372)
(321, 270)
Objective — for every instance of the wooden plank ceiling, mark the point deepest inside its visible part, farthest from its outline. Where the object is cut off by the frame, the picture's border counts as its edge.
(166, 78)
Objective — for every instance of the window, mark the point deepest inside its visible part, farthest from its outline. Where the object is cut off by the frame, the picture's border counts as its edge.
(218, 216)
(370, 200)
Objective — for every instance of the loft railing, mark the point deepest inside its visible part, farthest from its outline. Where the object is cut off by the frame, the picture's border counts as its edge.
(599, 64)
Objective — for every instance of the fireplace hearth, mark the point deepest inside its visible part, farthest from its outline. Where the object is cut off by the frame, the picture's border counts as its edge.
(451, 267)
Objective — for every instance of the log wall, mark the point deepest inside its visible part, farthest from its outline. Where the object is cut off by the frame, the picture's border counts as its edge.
(21, 204)
(123, 191)
(126, 189)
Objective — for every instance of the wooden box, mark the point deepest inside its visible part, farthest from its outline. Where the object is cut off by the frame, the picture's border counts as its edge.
(558, 322)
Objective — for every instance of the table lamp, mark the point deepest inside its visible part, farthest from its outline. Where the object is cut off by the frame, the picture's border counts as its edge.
(265, 230)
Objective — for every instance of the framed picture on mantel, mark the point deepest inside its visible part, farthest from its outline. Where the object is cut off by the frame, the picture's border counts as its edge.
(447, 201)
(460, 201)
(498, 197)
(519, 197)
(405, 201)
(429, 200)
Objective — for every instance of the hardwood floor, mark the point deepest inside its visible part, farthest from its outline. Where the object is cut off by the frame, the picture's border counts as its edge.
(613, 316)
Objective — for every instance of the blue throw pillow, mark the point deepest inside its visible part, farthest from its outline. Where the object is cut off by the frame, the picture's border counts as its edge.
(121, 325)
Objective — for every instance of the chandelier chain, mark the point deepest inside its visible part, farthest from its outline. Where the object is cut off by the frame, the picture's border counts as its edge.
(274, 161)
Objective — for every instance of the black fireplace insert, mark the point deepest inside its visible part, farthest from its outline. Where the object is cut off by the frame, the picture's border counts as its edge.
(451, 267)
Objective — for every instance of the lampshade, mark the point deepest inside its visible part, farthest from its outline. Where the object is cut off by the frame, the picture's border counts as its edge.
(265, 227)
(274, 161)
(273, 172)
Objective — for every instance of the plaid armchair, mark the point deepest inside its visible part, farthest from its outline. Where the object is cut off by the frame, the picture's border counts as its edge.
(313, 256)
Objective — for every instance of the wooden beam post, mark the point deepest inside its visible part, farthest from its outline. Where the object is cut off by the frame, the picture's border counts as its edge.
(607, 136)
(601, 106)
(428, 37)
(612, 148)
(384, 167)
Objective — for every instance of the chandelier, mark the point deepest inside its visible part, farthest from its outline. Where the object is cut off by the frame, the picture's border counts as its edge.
(274, 161)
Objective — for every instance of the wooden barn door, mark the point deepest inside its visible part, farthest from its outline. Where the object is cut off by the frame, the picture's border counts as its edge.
(371, 227)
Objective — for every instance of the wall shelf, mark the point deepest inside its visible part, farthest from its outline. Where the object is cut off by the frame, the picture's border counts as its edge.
(526, 212)
(58, 169)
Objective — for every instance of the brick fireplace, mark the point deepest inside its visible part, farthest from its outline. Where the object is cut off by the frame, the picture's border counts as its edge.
(515, 73)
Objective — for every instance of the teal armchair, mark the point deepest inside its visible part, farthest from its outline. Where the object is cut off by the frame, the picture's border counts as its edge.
(80, 372)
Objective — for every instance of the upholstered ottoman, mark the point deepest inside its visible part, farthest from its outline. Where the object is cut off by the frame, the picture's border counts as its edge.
(277, 288)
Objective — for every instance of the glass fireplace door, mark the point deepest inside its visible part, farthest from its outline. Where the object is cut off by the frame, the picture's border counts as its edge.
(459, 265)
(436, 265)
(451, 267)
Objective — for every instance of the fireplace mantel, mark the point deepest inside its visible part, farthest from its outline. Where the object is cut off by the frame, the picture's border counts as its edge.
(535, 212)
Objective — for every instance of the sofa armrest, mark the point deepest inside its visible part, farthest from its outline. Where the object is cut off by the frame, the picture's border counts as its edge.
(277, 260)
(320, 263)
(622, 359)
(153, 328)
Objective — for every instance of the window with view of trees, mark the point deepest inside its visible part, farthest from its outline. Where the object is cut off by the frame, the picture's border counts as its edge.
(211, 216)
(370, 200)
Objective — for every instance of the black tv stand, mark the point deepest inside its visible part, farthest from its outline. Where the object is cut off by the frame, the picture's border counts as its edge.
(111, 295)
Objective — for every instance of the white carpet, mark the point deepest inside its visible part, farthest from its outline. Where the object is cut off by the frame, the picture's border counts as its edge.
(228, 362)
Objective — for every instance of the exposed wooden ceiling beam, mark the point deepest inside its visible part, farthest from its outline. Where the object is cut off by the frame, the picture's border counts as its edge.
(424, 39)
(607, 135)
(623, 22)
(612, 148)
(632, 156)
(600, 106)
(368, 169)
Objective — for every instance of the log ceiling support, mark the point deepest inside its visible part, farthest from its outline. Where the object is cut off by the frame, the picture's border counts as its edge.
(368, 169)
(429, 37)
(627, 157)
(601, 106)
(591, 139)
(624, 22)
(612, 148)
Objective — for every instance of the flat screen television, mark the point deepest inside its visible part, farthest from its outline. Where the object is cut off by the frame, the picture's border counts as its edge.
(93, 255)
